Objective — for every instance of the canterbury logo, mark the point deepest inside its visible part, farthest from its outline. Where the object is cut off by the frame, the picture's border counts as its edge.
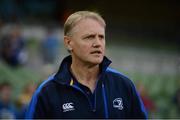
(68, 107)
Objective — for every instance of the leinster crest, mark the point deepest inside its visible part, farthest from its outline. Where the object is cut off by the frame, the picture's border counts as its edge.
(118, 103)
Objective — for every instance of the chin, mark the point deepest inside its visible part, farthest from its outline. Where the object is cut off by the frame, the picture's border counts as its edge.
(97, 60)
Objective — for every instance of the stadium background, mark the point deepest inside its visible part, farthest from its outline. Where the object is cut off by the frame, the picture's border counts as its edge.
(143, 41)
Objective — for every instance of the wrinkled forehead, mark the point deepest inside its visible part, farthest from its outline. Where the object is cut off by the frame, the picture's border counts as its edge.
(88, 25)
(89, 19)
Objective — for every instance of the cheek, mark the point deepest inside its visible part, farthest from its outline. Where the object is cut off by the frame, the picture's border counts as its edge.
(82, 48)
(86, 48)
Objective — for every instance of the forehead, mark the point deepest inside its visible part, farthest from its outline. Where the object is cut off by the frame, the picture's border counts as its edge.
(88, 26)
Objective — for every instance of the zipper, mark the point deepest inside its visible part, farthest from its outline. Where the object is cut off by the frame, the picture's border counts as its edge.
(93, 108)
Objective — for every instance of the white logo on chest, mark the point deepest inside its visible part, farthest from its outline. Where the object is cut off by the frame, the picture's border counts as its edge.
(118, 103)
(68, 107)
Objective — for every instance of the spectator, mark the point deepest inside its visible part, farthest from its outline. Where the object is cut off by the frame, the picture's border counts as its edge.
(7, 109)
(24, 99)
(148, 102)
(27, 93)
(50, 47)
(12, 48)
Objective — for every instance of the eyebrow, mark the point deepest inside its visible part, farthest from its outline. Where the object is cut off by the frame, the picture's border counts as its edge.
(86, 35)
(93, 34)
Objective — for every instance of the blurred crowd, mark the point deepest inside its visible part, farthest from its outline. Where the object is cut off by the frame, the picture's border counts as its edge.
(16, 108)
(10, 109)
(14, 52)
(13, 47)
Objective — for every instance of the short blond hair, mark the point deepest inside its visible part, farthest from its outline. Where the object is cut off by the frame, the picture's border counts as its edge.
(74, 18)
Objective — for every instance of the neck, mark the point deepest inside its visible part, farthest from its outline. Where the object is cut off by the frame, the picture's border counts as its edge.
(85, 74)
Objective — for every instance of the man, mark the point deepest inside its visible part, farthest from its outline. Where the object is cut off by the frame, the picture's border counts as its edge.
(7, 109)
(84, 86)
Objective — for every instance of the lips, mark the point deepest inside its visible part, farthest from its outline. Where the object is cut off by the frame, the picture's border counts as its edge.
(96, 52)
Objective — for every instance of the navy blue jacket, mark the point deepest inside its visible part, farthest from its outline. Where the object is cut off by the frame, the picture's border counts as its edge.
(61, 96)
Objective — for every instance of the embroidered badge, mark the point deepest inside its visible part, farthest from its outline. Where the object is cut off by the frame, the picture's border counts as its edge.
(68, 107)
(118, 103)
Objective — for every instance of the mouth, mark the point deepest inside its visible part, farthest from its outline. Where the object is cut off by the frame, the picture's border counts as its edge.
(96, 52)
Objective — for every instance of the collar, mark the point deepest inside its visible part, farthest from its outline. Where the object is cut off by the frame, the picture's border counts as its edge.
(63, 76)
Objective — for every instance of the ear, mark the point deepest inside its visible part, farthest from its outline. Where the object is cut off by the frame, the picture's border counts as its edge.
(67, 42)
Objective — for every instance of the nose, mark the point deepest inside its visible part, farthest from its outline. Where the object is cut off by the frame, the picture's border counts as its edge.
(97, 42)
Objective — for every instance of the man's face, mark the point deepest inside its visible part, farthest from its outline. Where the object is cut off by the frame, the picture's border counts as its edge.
(88, 41)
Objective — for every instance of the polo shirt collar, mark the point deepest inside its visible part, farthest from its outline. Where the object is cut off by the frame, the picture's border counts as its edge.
(63, 76)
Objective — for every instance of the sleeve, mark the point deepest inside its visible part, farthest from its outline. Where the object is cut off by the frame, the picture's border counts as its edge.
(37, 108)
(138, 110)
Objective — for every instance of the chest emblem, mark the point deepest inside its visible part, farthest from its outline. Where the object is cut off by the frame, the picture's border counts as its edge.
(68, 107)
(118, 103)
